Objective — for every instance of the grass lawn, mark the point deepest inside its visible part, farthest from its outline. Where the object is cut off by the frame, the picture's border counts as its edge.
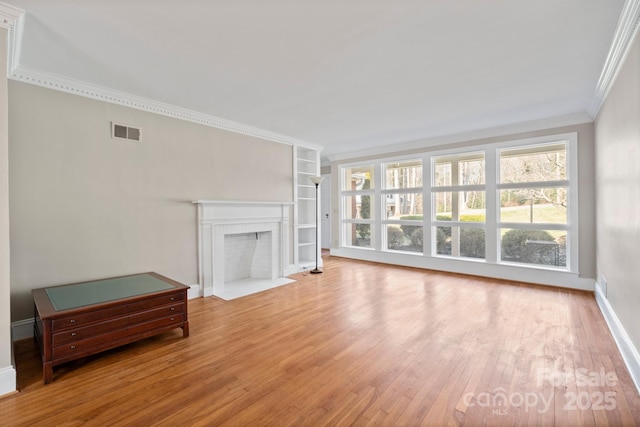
(541, 213)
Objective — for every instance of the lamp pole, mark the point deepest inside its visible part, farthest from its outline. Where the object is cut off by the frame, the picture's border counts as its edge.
(316, 180)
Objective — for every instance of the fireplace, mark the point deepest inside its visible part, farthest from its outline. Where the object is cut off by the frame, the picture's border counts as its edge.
(242, 246)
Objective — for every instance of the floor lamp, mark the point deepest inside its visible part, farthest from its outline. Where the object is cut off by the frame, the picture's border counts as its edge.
(316, 180)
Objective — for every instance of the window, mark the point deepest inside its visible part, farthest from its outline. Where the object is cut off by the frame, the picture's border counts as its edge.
(357, 210)
(510, 203)
(403, 205)
(534, 207)
(459, 205)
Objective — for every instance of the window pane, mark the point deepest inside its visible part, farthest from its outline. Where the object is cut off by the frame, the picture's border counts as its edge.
(406, 174)
(443, 240)
(358, 178)
(534, 205)
(471, 172)
(466, 206)
(357, 207)
(472, 242)
(357, 235)
(460, 241)
(542, 247)
(406, 206)
(531, 164)
(462, 169)
(442, 174)
(404, 238)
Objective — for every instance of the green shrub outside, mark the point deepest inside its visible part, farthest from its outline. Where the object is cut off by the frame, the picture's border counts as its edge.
(472, 242)
(441, 239)
(410, 229)
(417, 240)
(515, 248)
(395, 238)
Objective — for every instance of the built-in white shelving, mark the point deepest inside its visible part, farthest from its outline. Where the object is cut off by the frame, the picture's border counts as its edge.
(306, 165)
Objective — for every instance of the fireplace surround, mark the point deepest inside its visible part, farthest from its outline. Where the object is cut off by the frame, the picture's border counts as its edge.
(225, 227)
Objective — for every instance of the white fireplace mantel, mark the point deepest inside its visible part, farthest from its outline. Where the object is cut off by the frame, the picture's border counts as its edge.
(219, 217)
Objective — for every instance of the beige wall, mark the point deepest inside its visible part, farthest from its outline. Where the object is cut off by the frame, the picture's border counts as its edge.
(5, 307)
(86, 206)
(586, 186)
(618, 194)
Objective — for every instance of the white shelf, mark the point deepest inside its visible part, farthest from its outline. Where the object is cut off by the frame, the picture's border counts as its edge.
(306, 164)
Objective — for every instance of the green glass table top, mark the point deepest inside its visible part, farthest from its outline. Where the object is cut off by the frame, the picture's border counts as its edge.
(99, 291)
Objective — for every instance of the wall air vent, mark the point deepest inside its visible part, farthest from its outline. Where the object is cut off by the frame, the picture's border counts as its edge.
(119, 131)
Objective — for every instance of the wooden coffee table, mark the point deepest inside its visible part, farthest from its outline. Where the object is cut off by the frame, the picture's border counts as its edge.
(81, 319)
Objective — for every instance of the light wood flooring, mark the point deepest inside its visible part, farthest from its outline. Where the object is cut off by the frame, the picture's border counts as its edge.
(360, 344)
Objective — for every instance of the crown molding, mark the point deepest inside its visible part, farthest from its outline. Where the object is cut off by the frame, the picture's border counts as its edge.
(512, 129)
(9, 15)
(623, 38)
(89, 90)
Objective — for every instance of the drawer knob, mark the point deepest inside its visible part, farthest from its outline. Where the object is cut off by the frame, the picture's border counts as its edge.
(73, 334)
(172, 318)
(172, 299)
(73, 347)
(72, 321)
(173, 309)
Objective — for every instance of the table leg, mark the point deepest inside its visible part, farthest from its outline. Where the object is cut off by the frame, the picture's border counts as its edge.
(47, 372)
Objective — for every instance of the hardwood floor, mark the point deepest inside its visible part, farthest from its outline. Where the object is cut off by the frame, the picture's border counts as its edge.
(361, 344)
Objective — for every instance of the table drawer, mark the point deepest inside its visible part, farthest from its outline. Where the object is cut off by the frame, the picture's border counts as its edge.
(81, 333)
(115, 338)
(81, 319)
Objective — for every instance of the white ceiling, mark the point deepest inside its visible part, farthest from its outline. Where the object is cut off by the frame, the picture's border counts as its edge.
(346, 75)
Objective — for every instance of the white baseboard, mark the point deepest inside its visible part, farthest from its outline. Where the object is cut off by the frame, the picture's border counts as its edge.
(625, 345)
(193, 292)
(7, 380)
